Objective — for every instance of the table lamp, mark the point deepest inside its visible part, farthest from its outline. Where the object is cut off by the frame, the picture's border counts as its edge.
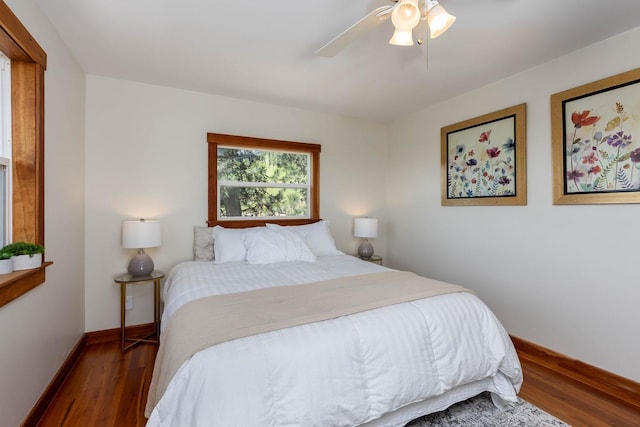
(141, 234)
(365, 228)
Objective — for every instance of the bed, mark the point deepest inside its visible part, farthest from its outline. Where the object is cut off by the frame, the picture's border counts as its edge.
(374, 366)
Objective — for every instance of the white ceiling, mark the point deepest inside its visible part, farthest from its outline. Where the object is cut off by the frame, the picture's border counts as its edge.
(264, 50)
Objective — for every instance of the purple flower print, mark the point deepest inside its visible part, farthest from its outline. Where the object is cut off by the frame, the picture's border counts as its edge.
(619, 139)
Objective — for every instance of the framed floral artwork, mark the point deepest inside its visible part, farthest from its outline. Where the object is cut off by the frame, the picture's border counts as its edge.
(596, 141)
(483, 160)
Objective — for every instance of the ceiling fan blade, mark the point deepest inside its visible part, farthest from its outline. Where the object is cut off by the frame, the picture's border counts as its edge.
(358, 29)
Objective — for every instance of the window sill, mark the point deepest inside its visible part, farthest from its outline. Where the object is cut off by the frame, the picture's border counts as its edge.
(15, 284)
(246, 223)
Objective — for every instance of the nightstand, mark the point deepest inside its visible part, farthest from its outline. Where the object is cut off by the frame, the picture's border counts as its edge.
(373, 258)
(127, 279)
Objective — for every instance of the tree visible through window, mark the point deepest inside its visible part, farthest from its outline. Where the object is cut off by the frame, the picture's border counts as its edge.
(262, 179)
(261, 183)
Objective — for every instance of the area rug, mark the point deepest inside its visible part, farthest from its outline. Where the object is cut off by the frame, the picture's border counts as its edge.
(480, 411)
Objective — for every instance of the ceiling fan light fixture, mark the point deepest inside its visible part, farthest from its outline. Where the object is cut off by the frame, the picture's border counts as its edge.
(402, 38)
(438, 19)
(405, 15)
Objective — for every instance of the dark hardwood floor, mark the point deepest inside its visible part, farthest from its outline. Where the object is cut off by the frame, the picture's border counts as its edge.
(571, 401)
(108, 388)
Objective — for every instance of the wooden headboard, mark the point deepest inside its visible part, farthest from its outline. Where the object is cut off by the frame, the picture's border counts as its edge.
(215, 139)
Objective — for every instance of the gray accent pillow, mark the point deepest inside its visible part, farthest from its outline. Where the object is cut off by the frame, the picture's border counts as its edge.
(202, 243)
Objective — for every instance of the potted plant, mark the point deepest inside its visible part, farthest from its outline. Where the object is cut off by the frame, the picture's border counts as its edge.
(25, 255)
(6, 263)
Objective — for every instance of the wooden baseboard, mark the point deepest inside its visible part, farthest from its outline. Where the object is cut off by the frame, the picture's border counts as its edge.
(38, 410)
(109, 335)
(598, 380)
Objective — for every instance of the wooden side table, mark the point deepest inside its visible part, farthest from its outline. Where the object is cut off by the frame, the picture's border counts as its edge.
(377, 259)
(127, 279)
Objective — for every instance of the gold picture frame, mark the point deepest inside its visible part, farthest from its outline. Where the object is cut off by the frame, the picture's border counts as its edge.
(596, 142)
(483, 160)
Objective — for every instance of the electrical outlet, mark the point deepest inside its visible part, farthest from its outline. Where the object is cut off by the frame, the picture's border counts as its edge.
(128, 303)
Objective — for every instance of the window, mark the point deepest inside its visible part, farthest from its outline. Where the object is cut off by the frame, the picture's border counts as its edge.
(5, 150)
(254, 179)
(262, 183)
(5, 201)
(28, 63)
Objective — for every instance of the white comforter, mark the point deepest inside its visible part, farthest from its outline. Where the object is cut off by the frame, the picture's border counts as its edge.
(378, 368)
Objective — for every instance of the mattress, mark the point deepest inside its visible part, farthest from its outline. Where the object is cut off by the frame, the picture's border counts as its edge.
(381, 367)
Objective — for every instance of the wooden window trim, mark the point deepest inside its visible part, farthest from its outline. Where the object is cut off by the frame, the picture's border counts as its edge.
(216, 139)
(28, 64)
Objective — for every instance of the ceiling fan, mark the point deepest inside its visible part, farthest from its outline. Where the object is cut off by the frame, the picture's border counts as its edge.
(406, 16)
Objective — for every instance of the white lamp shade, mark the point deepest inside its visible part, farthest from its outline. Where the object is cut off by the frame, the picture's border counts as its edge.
(402, 38)
(365, 227)
(405, 15)
(142, 233)
(438, 19)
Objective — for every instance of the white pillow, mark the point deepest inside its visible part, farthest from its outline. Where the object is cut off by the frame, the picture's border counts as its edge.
(228, 244)
(320, 238)
(266, 246)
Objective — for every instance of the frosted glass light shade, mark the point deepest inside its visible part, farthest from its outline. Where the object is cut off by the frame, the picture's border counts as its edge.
(365, 227)
(438, 19)
(405, 15)
(141, 233)
(402, 38)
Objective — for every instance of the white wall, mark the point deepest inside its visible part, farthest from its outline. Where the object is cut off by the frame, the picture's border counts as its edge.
(146, 156)
(564, 277)
(39, 329)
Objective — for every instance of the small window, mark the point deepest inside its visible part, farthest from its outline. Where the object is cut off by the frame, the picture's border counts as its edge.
(5, 150)
(260, 179)
(262, 183)
(24, 175)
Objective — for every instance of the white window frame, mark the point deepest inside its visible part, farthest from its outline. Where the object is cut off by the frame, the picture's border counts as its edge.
(6, 148)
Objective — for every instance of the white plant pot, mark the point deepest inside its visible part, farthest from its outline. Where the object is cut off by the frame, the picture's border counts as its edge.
(6, 266)
(26, 262)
